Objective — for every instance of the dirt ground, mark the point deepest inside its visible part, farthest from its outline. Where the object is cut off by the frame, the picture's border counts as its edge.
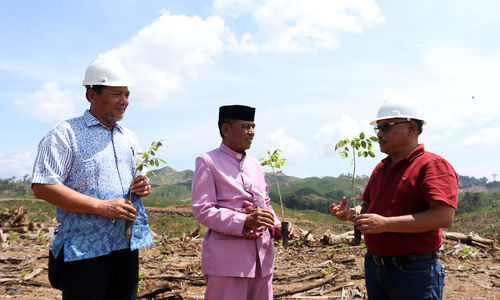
(171, 269)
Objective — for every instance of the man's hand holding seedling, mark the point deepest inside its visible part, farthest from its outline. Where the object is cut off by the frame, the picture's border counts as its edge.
(140, 186)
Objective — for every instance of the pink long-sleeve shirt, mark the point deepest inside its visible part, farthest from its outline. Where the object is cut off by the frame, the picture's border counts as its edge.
(223, 180)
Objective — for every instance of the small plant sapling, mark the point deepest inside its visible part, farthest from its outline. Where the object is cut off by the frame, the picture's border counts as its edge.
(276, 163)
(362, 147)
(144, 160)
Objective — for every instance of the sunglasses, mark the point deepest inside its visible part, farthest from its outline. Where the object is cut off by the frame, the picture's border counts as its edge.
(386, 126)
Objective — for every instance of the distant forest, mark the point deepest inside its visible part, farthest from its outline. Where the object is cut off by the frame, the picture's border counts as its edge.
(312, 193)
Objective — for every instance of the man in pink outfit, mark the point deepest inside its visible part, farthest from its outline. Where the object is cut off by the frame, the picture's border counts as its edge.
(230, 197)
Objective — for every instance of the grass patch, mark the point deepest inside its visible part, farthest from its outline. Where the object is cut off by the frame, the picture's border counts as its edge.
(484, 222)
(158, 201)
(173, 225)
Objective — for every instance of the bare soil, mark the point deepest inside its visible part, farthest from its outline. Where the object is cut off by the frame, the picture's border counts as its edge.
(171, 269)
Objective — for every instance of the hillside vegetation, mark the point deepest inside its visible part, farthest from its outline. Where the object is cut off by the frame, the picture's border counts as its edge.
(478, 208)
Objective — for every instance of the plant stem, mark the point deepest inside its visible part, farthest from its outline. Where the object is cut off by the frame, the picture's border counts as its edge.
(353, 176)
(279, 193)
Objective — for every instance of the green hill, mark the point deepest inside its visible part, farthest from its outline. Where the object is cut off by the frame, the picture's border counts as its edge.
(168, 175)
(313, 193)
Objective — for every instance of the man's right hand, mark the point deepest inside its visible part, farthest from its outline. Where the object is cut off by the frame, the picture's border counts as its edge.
(260, 217)
(117, 208)
(341, 211)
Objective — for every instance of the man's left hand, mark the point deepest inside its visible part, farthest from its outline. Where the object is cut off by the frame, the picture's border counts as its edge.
(141, 186)
(370, 223)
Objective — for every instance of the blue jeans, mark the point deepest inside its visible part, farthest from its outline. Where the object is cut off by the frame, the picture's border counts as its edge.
(417, 280)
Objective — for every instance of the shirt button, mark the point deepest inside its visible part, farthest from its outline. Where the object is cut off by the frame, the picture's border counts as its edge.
(241, 170)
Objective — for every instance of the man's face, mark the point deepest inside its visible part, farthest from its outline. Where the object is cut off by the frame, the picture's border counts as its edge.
(109, 106)
(238, 135)
(396, 137)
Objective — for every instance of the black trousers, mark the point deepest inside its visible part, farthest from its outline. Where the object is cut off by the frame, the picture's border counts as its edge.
(112, 276)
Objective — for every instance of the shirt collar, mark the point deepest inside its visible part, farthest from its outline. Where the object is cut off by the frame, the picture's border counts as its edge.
(90, 120)
(230, 152)
(419, 150)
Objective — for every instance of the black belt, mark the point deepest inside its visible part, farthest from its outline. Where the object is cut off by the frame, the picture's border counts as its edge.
(388, 261)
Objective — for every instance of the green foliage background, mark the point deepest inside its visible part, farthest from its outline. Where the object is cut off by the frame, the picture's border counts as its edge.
(478, 205)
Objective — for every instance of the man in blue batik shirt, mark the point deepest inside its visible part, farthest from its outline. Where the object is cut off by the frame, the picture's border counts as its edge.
(84, 167)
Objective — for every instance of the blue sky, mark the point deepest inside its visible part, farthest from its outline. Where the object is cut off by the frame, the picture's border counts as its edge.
(316, 70)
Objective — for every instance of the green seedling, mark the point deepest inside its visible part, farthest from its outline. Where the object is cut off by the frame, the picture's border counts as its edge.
(142, 277)
(145, 159)
(13, 236)
(329, 270)
(276, 163)
(361, 147)
(24, 273)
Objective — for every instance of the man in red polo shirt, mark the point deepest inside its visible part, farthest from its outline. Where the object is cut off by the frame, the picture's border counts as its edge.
(410, 196)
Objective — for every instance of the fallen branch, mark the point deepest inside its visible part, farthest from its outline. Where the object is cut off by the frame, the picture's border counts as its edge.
(298, 278)
(195, 280)
(331, 239)
(305, 288)
(153, 292)
(468, 239)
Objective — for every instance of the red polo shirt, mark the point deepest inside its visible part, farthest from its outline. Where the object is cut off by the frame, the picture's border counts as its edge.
(406, 188)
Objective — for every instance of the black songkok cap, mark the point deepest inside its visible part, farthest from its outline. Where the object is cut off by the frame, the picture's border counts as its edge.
(237, 112)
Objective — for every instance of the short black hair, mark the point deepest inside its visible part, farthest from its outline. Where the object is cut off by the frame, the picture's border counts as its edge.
(222, 122)
(96, 88)
(420, 124)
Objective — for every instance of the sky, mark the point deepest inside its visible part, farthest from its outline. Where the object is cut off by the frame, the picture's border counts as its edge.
(317, 71)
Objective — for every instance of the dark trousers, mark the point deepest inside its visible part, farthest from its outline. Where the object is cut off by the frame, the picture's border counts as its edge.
(112, 276)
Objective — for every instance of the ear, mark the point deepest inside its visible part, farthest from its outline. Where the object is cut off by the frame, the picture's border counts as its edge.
(226, 130)
(91, 95)
(412, 128)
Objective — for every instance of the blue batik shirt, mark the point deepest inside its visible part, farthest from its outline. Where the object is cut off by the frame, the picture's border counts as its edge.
(87, 157)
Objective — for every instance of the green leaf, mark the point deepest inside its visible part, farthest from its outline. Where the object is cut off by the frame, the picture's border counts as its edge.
(363, 144)
(362, 135)
(374, 138)
(360, 153)
(365, 154)
(371, 153)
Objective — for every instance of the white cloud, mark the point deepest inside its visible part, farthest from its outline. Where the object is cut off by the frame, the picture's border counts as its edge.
(293, 26)
(234, 8)
(17, 165)
(484, 137)
(293, 150)
(49, 104)
(347, 127)
(160, 56)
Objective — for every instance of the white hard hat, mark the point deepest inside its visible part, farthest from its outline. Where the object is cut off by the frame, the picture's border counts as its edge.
(398, 109)
(106, 71)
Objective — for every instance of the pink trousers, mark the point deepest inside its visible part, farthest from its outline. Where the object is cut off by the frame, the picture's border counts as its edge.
(240, 288)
